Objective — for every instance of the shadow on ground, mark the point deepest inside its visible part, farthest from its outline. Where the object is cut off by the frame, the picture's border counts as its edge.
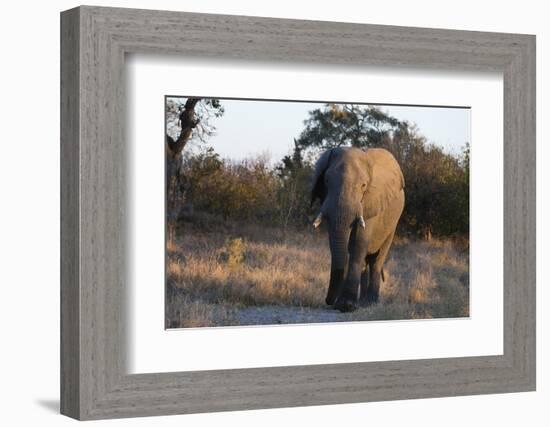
(51, 405)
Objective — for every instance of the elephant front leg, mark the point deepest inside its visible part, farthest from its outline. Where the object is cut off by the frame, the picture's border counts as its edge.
(347, 300)
(336, 279)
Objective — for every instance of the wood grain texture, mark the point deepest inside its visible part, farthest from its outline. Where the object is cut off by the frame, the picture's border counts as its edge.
(95, 239)
(70, 257)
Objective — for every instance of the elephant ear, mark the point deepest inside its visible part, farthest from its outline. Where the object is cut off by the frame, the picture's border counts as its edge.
(318, 187)
(385, 181)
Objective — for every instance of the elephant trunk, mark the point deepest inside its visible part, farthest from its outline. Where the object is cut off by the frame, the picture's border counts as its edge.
(339, 235)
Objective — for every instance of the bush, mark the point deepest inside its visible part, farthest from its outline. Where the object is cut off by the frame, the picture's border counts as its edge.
(233, 252)
(243, 190)
(437, 192)
(247, 191)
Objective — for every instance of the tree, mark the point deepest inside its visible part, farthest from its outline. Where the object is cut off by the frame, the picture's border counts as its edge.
(194, 120)
(354, 125)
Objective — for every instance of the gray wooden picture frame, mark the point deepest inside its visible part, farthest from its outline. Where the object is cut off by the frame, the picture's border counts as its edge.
(94, 41)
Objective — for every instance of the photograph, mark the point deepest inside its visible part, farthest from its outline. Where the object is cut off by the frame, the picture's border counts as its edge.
(285, 212)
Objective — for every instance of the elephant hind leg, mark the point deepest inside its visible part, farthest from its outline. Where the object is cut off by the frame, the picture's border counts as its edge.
(364, 280)
(367, 280)
(376, 273)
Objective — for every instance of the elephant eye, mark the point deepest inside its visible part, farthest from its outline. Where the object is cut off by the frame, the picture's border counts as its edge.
(363, 186)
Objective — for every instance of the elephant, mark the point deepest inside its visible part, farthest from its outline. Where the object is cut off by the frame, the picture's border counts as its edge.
(362, 197)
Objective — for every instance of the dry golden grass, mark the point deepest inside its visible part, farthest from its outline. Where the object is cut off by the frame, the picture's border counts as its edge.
(214, 276)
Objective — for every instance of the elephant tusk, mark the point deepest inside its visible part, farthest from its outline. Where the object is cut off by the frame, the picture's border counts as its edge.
(318, 220)
(362, 221)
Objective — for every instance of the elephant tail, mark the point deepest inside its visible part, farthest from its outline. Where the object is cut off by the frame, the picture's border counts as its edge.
(383, 275)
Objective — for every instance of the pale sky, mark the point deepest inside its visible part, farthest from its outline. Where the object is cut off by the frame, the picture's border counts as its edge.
(249, 127)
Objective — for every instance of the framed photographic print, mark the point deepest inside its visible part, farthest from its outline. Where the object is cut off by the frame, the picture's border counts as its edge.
(262, 213)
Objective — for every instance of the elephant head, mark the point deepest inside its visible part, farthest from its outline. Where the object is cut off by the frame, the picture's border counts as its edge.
(353, 186)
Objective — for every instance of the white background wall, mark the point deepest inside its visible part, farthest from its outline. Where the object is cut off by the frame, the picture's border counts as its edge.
(29, 215)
